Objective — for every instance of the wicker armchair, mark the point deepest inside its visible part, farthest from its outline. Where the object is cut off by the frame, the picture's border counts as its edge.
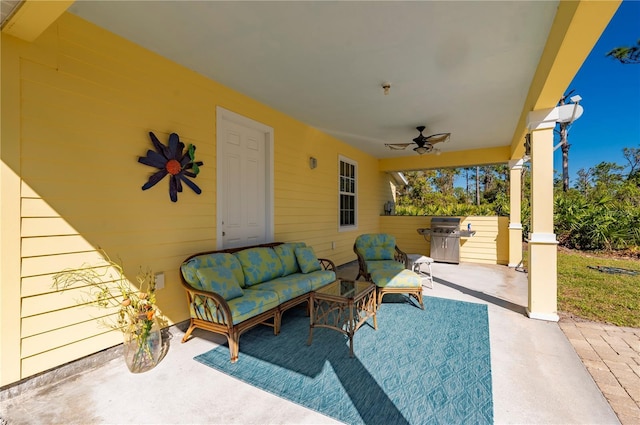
(377, 250)
(381, 261)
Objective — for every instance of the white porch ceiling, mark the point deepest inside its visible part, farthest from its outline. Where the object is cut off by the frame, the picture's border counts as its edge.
(454, 66)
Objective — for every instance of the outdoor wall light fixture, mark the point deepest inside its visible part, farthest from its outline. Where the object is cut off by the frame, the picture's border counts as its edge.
(313, 163)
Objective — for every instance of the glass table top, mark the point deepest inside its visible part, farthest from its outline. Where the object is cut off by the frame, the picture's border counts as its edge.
(344, 288)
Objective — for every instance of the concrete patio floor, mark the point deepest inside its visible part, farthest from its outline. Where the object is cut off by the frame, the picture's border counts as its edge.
(537, 376)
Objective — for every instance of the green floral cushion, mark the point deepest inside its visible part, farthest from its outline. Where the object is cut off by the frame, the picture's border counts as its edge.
(287, 287)
(396, 279)
(252, 303)
(220, 259)
(376, 246)
(259, 265)
(288, 257)
(219, 280)
(374, 265)
(319, 278)
(307, 259)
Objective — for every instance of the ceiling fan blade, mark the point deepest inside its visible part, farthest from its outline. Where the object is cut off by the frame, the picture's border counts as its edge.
(438, 138)
(397, 146)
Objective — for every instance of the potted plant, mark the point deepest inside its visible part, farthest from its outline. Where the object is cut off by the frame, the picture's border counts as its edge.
(137, 315)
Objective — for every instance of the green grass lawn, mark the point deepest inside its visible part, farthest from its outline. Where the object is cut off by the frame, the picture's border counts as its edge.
(597, 296)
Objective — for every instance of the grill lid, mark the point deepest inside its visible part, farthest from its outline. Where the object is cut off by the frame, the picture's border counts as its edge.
(445, 222)
(448, 226)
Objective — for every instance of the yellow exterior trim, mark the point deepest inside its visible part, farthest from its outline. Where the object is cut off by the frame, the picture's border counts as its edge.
(446, 160)
(515, 214)
(575, 30)
(543, 279)
(33, 17)
(9, 216)
(542, 181)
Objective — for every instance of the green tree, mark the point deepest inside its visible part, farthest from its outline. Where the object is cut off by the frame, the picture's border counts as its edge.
(444, 180)
(602, 211)
(607, 175)
(626, 54)
(583, 185)
(632, 155)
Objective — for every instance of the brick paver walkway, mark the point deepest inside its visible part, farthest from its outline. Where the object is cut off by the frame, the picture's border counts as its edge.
(612, 355)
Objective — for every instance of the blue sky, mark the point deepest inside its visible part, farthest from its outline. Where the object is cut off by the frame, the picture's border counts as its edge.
(610, 94)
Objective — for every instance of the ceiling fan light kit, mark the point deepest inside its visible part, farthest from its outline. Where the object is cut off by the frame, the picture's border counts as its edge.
(424, 144)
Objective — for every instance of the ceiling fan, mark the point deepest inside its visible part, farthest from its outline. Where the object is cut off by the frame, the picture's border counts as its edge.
(424, 143)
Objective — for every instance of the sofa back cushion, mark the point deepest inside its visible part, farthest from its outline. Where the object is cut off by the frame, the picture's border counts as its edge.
(287, 256)
(376, 246)
(228, 261)
(221, 281)
(259, 264)
(307, 259)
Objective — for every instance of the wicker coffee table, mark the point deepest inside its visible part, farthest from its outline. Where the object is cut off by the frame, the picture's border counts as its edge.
(344, 306)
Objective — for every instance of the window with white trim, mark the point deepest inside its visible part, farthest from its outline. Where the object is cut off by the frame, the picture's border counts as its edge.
(348, 193)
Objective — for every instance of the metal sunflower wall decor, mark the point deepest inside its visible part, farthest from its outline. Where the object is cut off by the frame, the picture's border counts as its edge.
(174, 161)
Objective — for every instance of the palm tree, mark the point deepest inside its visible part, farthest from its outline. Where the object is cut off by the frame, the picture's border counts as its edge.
(563, 131)
(626, 55)
(632, 155)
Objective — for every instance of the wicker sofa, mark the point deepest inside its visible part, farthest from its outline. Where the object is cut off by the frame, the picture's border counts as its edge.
(232, 290)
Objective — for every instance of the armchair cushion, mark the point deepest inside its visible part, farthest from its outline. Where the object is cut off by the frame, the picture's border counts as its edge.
(259, 264)
(374, 265)
(219, 280)
(307, 259)
(396, 279)
(376, 246)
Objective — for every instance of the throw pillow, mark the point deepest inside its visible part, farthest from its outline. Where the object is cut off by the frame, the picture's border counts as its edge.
(221, 281)
(218, 259)
(288, 257)
(307, 259)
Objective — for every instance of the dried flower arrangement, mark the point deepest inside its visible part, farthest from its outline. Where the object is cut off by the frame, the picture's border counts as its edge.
(108, 287)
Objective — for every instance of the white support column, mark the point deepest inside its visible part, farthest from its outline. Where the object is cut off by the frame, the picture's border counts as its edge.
(543, 251)
(515, 212)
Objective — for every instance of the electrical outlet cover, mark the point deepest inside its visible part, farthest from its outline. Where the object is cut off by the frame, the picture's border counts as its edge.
(159, 280)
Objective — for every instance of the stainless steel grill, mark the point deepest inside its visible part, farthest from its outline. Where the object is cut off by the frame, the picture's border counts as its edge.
(445, 239)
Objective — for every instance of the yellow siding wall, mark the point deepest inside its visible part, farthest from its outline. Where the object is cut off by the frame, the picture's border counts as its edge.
(490, 244)
(76, 112)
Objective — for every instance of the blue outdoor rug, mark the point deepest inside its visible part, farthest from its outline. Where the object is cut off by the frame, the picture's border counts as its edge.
(419, 367)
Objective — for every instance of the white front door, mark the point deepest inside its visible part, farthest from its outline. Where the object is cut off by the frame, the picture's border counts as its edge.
(245, 189)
